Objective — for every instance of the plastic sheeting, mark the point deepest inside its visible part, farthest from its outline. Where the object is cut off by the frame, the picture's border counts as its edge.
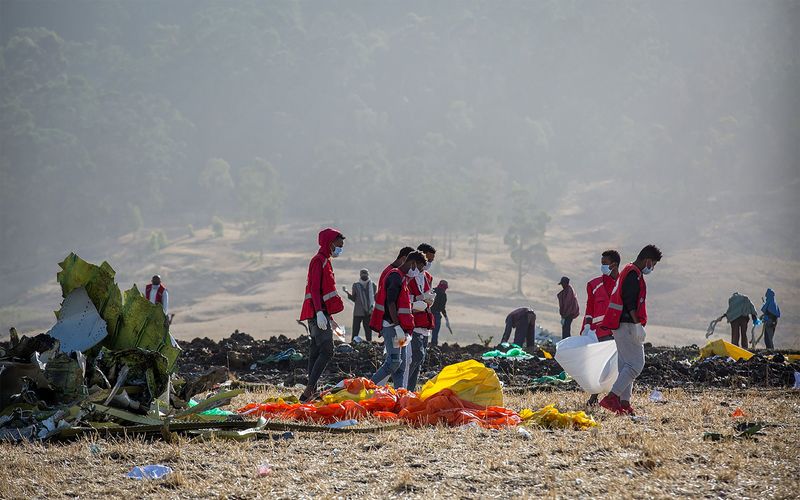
(592, 364)
(722, 348)
(550, 417)
(470, 381)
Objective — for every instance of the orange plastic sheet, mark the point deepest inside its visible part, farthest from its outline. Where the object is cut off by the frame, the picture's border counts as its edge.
(361, 397)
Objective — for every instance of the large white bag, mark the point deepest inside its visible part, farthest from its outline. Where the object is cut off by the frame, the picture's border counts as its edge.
(592, 364)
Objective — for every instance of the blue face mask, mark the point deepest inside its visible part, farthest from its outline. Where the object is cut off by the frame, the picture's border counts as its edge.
(337, 251)
(647, 270)
(605, 269)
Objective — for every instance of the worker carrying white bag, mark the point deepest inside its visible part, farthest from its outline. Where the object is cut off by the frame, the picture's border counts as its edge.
(592, 364)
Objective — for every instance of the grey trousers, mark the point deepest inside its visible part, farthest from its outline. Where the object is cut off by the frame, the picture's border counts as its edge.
(630, 360)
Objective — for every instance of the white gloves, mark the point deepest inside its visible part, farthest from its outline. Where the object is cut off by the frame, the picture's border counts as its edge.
(429, 297)
(322, 321)
(640, 333)
(401, 339)
(419, 306)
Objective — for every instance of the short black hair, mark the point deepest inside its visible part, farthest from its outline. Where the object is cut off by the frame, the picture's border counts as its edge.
(426, 248)
(650, 252)
(613, 256)
(417, 257)
(404, 252)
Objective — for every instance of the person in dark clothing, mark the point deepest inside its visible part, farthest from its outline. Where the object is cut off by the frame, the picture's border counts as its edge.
(438, 310)
(363, 298)
(568, 306)
(523, 321)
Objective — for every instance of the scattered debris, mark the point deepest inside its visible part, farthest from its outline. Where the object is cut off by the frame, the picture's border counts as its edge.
(149, 472)
(657, 397)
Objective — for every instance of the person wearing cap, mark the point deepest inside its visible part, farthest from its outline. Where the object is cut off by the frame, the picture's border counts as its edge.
(320, 303)
(438, 310)
(363, 296)
(523, 321)
(567, 306)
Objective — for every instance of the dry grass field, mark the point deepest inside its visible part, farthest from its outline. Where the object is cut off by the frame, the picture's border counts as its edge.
(660, 454)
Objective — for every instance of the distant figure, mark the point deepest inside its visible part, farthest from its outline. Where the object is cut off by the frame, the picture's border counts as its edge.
(740, 310)
(771, 313)
(438, 310)
(523, 321)
(598, 295)
(392, 316)
(567, 306)
(320, 303)
(157, 293)
(401, 258)
(627, 316)
(420, 286)
(363, 296)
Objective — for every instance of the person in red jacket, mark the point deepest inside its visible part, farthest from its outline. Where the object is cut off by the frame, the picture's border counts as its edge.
(598, 295)
(627, 316)
(421, 287)
(401, 258)
(392, 316)
(321, 302)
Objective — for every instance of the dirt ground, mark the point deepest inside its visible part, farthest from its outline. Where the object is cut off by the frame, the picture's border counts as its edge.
(660, 454)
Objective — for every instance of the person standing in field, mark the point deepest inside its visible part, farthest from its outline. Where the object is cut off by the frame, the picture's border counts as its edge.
(392, 316)
(401, 258)
(420, 285)
(598, 296)
(771, 313)
(363, 298)
(740, 310)
(439, 309)
(626, 316)
(567, 306)
(320, 303)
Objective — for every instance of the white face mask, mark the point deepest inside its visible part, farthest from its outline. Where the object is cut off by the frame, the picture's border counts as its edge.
(605, 269)
(427, 266)
(413, 272)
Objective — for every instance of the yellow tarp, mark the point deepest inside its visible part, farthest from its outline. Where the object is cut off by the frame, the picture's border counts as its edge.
(551, 418)
(722, 348)
(470, 380)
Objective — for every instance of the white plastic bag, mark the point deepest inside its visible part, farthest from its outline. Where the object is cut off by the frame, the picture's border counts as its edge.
(592, 364)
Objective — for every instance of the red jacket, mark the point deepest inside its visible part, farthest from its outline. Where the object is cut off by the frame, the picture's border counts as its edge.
(598, 296)
(159, 293)
(614, 311)
(404, 315)
(422, 319)
(321, 282)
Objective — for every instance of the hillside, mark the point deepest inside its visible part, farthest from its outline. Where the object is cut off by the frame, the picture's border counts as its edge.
(218, 285)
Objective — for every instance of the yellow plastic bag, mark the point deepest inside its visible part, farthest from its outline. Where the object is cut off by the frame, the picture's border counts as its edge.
(722, 348)
(470, 380)
(551, 418)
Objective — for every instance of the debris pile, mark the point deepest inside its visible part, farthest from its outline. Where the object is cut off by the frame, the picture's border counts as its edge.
(108, 363)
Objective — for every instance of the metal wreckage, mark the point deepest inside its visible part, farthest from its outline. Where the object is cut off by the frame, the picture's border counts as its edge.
(106, 367)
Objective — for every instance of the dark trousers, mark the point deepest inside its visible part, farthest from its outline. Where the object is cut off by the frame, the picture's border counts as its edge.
(419, 348)
(362, 320)
(437, 325)
(566, 328)
(739, 330)
(769, 332)
(526, 332)
(320, 352)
